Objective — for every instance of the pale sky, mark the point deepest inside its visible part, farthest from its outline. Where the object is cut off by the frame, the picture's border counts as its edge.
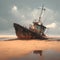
(24, 12)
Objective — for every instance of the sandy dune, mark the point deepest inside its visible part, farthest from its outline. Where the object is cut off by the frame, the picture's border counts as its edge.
(18, 48)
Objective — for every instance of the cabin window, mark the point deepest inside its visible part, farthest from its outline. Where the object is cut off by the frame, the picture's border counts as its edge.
(38, 27)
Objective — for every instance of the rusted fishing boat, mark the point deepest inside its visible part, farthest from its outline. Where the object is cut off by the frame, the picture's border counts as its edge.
(35, 31)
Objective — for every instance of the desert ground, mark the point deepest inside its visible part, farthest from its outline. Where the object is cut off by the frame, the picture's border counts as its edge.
(19, 48)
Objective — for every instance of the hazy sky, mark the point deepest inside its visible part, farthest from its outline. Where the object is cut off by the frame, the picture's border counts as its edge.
(25, 11)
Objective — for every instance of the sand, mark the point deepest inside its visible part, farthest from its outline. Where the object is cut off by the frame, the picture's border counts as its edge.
(19, 48)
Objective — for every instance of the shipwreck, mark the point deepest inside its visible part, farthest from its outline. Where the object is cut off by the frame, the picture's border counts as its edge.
(35, 31)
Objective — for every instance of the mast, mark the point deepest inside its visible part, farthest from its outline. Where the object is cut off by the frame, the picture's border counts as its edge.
(42, 9)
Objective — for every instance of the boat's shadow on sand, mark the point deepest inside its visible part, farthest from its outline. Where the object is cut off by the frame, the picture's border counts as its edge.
(49, 39)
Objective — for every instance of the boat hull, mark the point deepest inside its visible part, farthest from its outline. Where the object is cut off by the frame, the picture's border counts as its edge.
(24, 33)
